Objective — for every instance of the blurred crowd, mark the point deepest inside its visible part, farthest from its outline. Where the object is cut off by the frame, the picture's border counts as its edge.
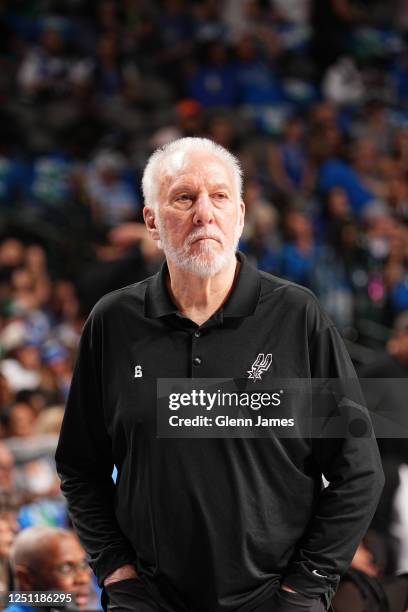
(311, 95)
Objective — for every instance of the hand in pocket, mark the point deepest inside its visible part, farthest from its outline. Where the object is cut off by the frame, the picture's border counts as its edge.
(296, 602)
(129, 595)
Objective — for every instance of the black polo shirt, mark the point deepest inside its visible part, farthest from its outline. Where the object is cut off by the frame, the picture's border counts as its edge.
(212, 525)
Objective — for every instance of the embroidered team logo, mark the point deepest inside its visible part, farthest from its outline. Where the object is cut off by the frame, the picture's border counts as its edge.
(261, 364)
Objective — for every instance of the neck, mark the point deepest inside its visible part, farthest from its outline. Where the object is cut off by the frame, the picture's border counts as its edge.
(199, 298)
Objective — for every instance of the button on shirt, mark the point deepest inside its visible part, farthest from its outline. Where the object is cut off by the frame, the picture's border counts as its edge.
(212, 525)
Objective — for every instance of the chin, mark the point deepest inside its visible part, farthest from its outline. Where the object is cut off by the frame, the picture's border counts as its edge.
(202, 265)
(82, 601)
(203, 258)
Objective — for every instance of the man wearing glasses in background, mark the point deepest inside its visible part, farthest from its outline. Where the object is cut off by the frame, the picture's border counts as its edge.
(49, 559)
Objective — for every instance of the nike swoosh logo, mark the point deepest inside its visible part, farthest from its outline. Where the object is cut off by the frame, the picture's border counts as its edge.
(316, 573)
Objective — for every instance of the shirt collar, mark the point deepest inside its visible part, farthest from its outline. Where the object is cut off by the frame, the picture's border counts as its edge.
(242, 301)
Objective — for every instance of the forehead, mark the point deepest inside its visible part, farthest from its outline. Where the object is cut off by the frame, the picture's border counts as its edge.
(66, 549)
(197, 169)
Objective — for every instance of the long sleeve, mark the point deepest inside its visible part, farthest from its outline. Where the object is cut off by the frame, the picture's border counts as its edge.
(352, 466)
(84, 461)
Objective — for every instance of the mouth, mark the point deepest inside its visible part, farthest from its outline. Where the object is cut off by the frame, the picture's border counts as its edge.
(81, 599)
(201, 238)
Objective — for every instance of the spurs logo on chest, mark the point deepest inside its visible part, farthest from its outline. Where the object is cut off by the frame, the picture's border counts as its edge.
(261, 364)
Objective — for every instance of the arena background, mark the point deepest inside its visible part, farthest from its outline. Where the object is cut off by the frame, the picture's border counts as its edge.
(311, 95)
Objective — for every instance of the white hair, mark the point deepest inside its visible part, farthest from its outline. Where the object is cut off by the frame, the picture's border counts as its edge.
(170, 158)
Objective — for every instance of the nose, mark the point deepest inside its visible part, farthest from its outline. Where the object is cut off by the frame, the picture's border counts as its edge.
(203, 210)
(82, 575)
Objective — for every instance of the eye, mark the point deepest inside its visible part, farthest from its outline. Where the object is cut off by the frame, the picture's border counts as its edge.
(65, 568)
(183, 201)
(83, 564)
(183, 197)
(220, 195)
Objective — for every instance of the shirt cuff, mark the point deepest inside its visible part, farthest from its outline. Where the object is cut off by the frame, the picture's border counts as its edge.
(110, 560)
(311, 582)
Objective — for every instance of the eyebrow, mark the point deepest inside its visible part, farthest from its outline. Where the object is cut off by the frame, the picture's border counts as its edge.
(221, 186)
(190, 187)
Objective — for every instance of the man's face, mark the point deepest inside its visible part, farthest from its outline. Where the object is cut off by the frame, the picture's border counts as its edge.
(64, 568)
(200, 216)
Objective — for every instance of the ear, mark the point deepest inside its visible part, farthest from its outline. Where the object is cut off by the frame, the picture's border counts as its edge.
(150, 222)
(242, 214)
(23, 578)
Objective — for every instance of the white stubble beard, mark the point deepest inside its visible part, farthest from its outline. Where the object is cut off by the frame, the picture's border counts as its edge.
(203, 263)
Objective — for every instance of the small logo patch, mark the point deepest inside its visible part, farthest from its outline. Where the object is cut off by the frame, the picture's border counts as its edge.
(261, 364)
(316, 573)
(138, 371)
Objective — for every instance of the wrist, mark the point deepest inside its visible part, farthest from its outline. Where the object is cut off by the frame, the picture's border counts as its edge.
(122, 573)
(287, 588)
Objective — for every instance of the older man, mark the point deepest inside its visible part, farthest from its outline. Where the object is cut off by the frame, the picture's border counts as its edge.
(50, 559)
(233, 524)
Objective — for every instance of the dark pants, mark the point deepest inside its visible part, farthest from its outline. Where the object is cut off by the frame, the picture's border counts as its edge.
(131, 596)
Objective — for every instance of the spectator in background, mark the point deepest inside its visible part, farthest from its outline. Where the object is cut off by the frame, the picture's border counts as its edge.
(399, 76)
(374, 126)
(336, 209)
(395, 266)
(332, 22)
(326, 138)
(222, 129)
(288, 163)
(8, 524)
(299, 251)
(21, 365)
(50, 420)
(363, 588)
(388, 398)
(292, 11)
(365, 161)
(176, 28)
(50, 559)
(257, 81)
(397, 197)
(338, 173)
(208, 24)
(19, 420)
(190, 118)
(44, 69)
(240, 17)
(29, 482)
(112, 198)
(213, 81)
(27, 293)
(107, 17)
(393, 363)
(400, 149)
(254, 198)
(11, 256)
(59, 363)
(108, 71)
(343, 83)
(115, 264)
(6, 468)
(35, 474)
(187, 121)
(260, 246)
